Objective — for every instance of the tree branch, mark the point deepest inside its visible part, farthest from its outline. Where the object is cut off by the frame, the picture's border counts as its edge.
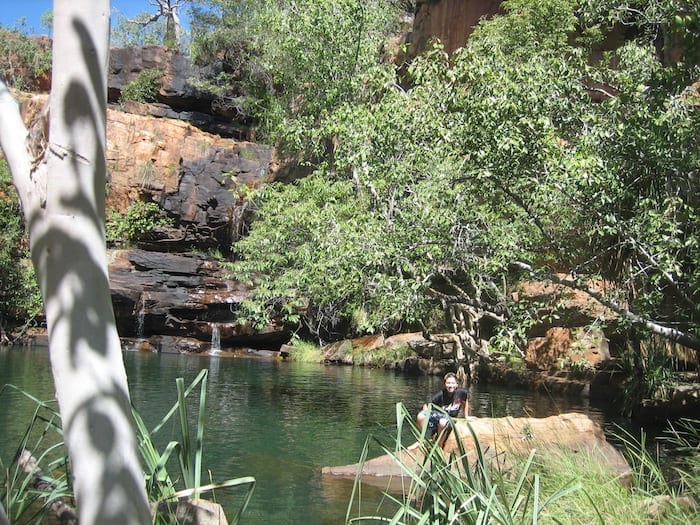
(671, 334)
(667, 276)
(65, 513)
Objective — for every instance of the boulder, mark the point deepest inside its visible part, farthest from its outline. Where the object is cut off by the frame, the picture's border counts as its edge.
(193, 512)
(502, 440)
(338, 352)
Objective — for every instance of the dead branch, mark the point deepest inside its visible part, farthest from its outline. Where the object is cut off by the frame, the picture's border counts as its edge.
(65, 513)
(677, 336)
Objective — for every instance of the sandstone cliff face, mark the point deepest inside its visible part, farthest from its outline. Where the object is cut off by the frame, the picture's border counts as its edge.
(192, 174)
(175, 302)
(450, 21)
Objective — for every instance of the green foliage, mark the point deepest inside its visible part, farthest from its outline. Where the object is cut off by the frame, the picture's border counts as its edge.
(23, 60)
(671, 470)
(683, 438)
(306, 352)
(137, 31)
(676, 23)
(144, 88)
(428, 186)
(20, 299)
(381, 357)
(226, 37)
(288, 64)
(140, 219)
(649, 373)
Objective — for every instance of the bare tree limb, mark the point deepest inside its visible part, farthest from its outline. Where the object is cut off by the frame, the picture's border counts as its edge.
(65, 513)
(654, 327)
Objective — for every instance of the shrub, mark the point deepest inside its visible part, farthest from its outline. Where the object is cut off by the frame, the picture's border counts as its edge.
(306, 352)
(23, 60)
(144, 88)
(139, 220)
(20, 300)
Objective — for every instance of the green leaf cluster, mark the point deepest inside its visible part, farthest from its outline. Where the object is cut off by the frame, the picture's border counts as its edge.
(23, 60)
(144, 88)
(287, 64)
(137, 31)
(20, 299)
(139, 220)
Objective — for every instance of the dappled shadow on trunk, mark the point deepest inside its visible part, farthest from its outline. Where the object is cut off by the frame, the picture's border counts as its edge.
(68, 249)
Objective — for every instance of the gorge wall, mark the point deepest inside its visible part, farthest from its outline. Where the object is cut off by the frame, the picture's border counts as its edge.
(450, 21)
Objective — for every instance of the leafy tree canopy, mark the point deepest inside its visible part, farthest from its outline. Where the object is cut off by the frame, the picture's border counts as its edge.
(532, 144)
(287, 63)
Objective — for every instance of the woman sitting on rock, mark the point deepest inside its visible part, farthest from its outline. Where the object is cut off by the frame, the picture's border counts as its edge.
(452, 400)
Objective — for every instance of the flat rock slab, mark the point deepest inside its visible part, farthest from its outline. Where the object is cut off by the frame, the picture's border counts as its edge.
(500, 439)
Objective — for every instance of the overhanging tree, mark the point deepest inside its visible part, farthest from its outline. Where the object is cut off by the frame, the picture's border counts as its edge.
(505, 153)
(58, 167)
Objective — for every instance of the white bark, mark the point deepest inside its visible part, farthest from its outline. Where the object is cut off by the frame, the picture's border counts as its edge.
(170, 10)
(66, 230)
(677, 336)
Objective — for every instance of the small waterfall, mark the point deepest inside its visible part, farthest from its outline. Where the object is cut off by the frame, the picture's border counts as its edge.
(215, 339)
(141, 317)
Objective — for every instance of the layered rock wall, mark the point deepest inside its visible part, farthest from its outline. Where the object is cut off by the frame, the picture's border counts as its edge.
(192, 174)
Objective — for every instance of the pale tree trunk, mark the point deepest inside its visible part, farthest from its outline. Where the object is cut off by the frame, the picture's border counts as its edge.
(170, 9)
(65, 216)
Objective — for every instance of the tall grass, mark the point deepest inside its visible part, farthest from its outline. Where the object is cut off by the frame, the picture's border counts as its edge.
(160, 484)
(28, 494)
(305, 352)
(452, 489)
(550, 486)
(24, 501)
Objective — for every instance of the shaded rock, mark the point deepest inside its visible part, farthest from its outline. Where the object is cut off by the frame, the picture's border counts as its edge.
(410, 340)
(176, 90)
(338, 352)
(450, 21)
(502, 440)
(682, 402)
(572, 307)
(656, 507)
(183, 296)
(203, 121)
(563, 347)
(178, 95)
(194, 512)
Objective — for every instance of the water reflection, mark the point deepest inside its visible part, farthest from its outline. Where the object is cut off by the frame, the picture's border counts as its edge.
(279, 421)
